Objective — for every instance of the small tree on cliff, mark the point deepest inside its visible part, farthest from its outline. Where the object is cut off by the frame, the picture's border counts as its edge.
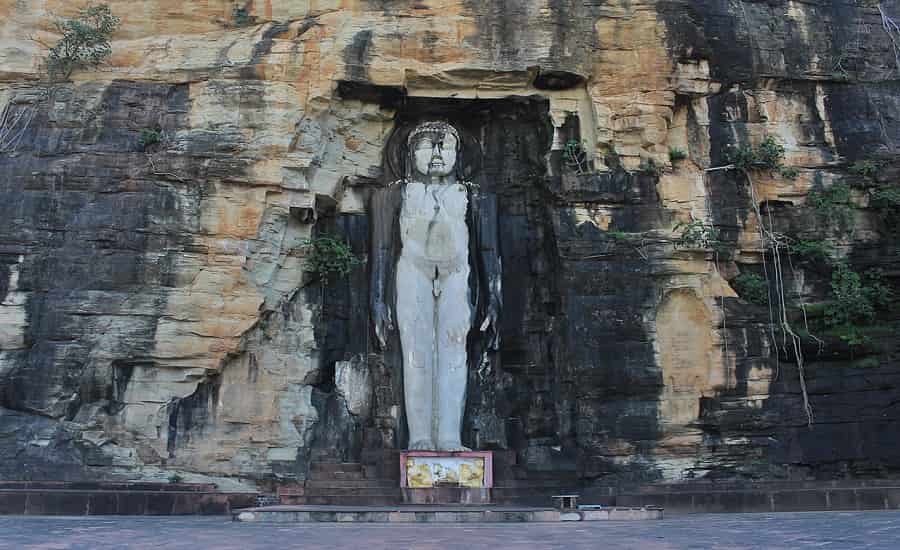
(84, 43)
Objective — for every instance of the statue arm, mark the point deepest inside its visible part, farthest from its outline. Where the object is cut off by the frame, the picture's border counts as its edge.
(486, 224)
(384, 206)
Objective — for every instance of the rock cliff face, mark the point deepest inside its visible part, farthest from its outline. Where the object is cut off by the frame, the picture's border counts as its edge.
(157, 313)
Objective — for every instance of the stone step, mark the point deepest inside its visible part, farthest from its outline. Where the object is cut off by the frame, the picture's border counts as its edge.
(382, 471)
(337, 476)
(350, 491)
(519, 472)
(344, 500)
(351, 483)
(533, 483)
(335, 467)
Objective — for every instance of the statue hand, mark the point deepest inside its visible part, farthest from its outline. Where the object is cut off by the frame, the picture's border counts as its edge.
(384, 324)
(491, 328)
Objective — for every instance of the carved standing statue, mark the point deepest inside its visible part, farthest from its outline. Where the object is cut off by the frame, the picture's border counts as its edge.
(425, 286)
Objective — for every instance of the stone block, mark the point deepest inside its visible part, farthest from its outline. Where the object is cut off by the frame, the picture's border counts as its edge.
(871, 499)
(401, 517)
(799, 501)
(595, 515)
(13, 503)
(545, 515)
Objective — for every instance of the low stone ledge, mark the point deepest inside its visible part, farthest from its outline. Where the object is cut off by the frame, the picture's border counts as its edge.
(71, 502)
(437, 514)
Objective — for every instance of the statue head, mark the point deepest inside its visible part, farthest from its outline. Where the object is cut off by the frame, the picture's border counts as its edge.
(433, 149)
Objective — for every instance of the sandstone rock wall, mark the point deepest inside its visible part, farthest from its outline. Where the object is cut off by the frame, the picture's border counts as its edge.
(155, 310)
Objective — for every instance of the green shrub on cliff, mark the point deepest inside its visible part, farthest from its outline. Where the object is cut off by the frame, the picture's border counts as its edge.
(329, 255)
(752, 287)
(148, 138)
(886, 198)
(241, 16)
(864, 168)
(833, 205)
(768, 155)
(676, 154)
(697, 234)
(854, 301)
(820, 251)
(649, 167)
(84, 43)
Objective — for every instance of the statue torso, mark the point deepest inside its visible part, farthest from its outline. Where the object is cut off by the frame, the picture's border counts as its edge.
(433, 223)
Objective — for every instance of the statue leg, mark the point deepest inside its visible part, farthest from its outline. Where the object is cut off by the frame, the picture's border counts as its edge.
(415, 320)
(454, 322)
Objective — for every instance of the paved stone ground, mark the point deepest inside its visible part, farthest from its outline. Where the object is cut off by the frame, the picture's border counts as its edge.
(830, 530)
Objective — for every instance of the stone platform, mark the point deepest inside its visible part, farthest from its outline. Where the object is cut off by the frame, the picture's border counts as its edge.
(408, 513)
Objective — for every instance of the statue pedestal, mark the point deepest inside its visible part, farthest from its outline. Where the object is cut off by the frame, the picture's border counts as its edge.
(437, 477)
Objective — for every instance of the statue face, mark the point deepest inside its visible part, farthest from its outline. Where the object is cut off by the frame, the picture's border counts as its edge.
(434, 153)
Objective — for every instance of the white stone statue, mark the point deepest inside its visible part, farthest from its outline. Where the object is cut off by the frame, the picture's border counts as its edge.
(434, 311)
(433, 305)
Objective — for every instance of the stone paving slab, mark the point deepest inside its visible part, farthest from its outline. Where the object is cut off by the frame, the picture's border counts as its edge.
(794, 531)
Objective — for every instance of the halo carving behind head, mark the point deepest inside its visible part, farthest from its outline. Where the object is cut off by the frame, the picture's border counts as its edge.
(398, 148)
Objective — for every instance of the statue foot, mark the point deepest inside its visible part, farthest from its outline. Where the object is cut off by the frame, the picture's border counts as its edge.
(452, 446)
(421, 445)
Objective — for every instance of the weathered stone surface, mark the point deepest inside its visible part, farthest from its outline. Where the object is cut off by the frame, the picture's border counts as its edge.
(155, 310)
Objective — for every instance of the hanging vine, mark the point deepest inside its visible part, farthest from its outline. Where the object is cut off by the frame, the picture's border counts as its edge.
(769, 156)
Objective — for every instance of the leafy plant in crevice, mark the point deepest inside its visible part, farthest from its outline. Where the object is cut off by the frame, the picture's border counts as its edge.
(854, 302)
(833, 205)
(697, 234)
(649, 167)
(865, 168)
(329, 255)
(676, 154)
(175, 478)
(84, 42)
(789, 172)
(241, 16)
(768, 155)
(148, 138)
(575, 156)
(886, 200)
(809, 250)
(752, 287)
